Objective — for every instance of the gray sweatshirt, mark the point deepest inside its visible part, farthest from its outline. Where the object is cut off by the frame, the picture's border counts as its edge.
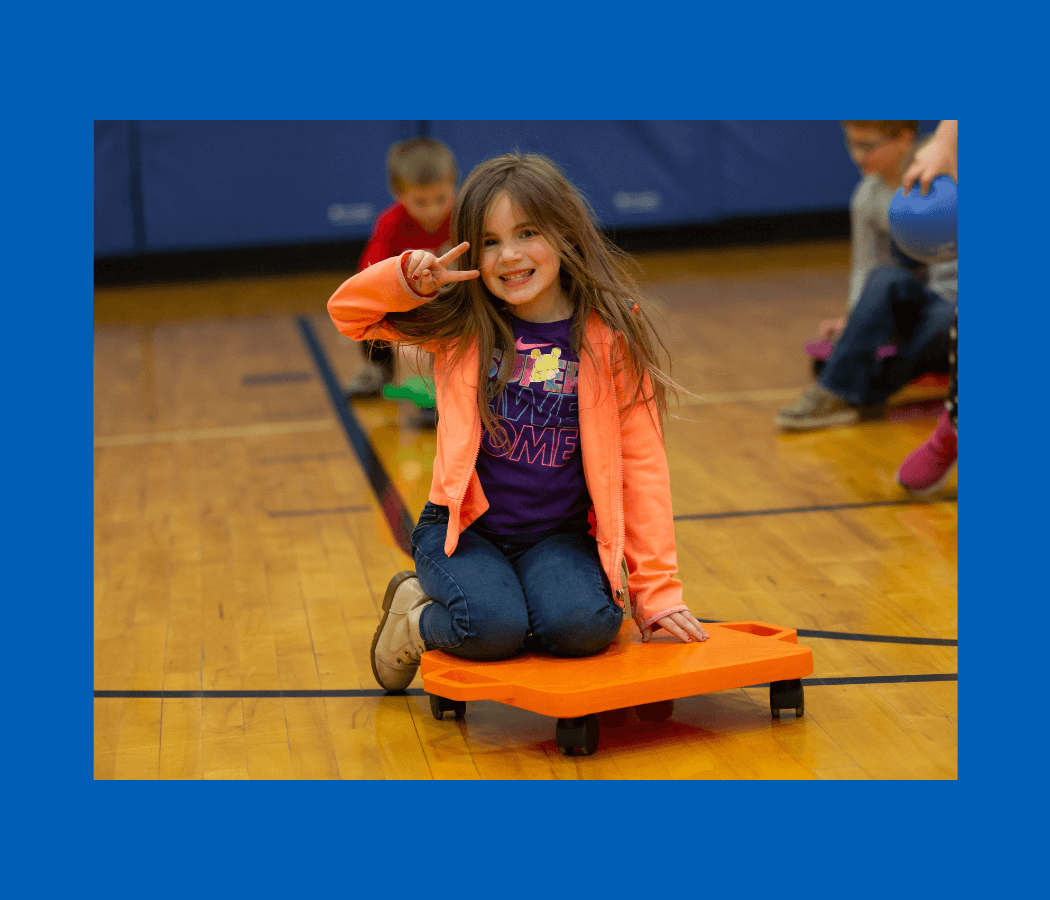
(869, 209)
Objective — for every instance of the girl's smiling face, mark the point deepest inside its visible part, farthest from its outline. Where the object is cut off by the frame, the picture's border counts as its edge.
(520, 266)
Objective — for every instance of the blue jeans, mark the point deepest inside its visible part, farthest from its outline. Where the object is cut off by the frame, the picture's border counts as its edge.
(492, 595)
(894, 307)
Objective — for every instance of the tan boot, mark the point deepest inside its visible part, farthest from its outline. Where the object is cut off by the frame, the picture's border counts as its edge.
(816, 407)
(397, 645)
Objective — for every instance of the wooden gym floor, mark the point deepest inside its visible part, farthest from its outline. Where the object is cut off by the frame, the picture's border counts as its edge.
(246, 526)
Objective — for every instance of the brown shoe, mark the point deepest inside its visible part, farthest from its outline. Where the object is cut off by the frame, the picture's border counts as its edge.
(398, 645)
(368, 381)
(817, 407)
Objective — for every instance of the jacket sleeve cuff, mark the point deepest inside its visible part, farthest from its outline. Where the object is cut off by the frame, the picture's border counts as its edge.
(655, 617)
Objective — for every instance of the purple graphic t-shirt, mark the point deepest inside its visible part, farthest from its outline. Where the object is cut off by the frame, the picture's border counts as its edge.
(536, 483)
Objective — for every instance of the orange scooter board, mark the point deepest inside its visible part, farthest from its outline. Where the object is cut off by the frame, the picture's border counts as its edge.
(627, 672)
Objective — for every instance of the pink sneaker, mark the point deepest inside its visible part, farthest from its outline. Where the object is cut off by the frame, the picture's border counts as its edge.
(926, 469)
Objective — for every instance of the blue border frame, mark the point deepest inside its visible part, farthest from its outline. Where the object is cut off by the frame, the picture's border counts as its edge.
(125, 61)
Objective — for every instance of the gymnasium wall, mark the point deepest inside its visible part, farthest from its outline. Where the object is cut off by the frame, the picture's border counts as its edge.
(172, 187)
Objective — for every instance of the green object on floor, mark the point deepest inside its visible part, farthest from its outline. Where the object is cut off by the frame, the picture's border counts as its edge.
(419, 390)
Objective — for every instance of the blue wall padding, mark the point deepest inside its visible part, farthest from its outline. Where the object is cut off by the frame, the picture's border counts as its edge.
(772, 167)
(202, 185)
(114, 215)
(635, 174)
(244, 184)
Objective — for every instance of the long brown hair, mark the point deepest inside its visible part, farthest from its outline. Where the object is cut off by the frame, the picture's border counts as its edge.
(595, 274)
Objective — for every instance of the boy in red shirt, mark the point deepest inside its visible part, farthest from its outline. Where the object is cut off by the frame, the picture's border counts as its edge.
(422, 176)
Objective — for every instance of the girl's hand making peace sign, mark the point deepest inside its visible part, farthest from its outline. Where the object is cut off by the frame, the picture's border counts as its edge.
(426, 272)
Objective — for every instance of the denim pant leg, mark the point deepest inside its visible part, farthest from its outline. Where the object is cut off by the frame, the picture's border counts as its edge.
(571, 609)
(927, 347)
(479, 610)
(894, 306)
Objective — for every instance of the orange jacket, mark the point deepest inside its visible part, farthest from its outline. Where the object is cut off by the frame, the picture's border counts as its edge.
(623, 453)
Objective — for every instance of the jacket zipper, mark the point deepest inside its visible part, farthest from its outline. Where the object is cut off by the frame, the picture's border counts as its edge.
(618, 561)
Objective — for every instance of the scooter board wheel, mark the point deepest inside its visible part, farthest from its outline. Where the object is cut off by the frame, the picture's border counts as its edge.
(580, 733)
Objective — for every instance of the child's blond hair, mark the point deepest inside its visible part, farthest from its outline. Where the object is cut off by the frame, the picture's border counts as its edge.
(419, 162)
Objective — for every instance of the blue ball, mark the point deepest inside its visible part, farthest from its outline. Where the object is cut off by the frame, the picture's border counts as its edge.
(927, 228)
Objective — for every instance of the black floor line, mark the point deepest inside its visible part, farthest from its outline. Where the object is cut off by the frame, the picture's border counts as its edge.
(829, 507)
(880, 679)
(877, 638)
(418, 692)
(872, 638)
(401, 524)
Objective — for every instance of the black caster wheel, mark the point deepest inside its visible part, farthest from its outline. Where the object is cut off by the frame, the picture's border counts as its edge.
(656, 712)
(786, 695)
(441, 705)
(577, 734)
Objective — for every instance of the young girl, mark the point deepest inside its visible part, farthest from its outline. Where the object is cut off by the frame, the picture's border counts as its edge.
(550, 466)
